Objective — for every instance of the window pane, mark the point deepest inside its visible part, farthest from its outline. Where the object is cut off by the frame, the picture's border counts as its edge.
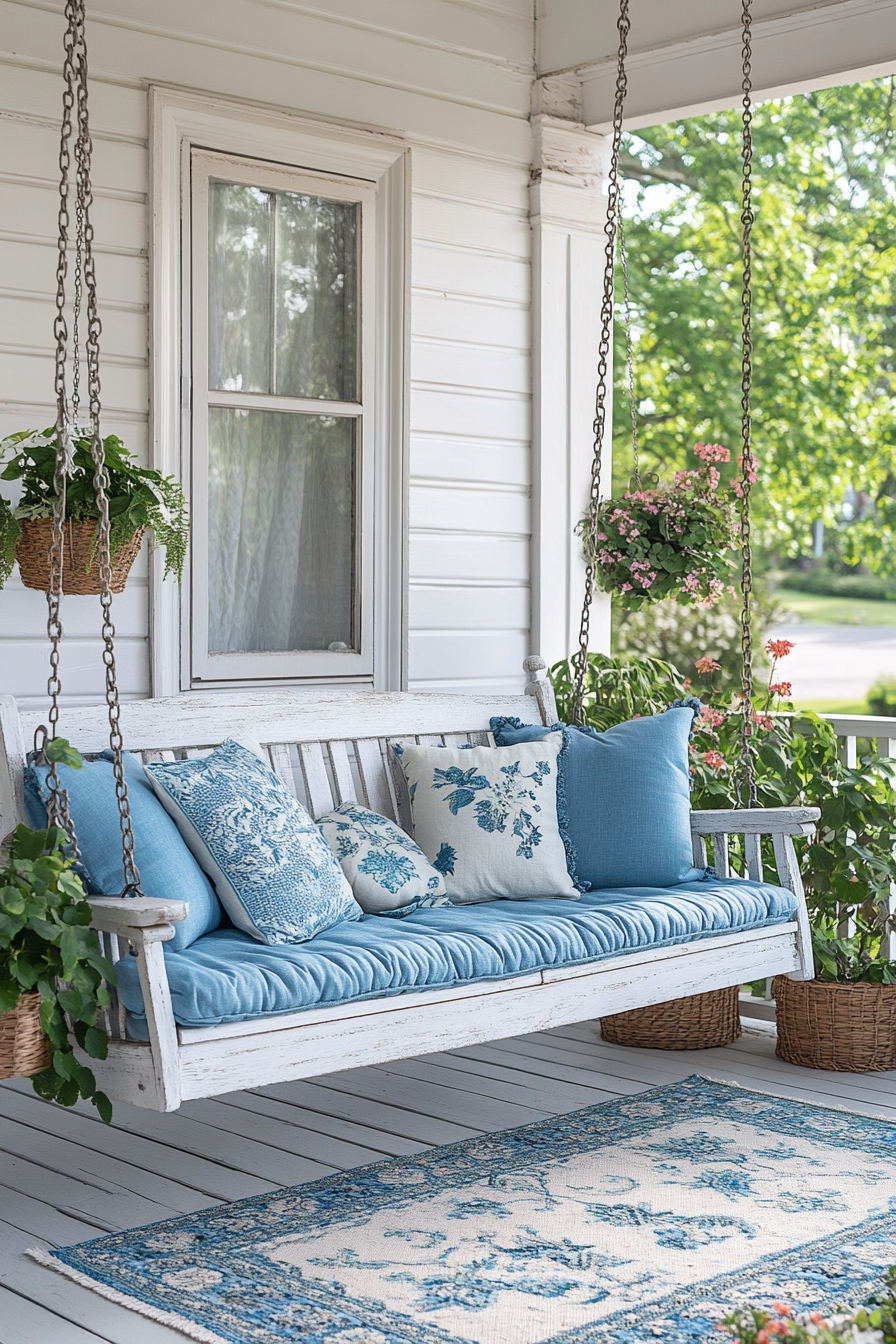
(316, 298)
(239, 288)
(281, 531)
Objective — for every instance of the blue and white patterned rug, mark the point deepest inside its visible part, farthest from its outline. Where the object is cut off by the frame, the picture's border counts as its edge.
(638, 1219)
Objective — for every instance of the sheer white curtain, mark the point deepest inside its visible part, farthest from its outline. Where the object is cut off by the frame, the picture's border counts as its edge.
(280, 531)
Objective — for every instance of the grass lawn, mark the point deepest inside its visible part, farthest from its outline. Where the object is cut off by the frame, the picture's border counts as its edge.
(814, 610)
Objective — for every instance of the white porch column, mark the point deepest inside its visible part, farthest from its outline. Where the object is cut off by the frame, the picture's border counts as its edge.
(568, 212)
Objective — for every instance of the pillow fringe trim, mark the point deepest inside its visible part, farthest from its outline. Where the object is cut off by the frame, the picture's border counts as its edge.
(572, 856)
(170, 1318)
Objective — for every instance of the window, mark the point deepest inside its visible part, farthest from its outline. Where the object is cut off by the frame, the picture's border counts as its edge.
(281, 430)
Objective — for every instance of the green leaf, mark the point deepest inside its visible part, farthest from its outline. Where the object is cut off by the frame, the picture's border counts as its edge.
(61, 752)
(9, 995)
(103, 1106)
(96, 1043)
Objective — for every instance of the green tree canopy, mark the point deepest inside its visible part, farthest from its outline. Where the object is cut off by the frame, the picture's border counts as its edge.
(824, 307)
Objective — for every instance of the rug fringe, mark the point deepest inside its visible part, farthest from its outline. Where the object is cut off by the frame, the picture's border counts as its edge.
(188, 1328)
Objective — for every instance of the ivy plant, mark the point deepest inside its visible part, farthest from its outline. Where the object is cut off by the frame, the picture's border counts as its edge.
(138, 496)
(849, 865)
(46, 944)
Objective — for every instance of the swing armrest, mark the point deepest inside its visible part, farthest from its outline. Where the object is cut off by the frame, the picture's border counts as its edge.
(756, 821)
(124, 914)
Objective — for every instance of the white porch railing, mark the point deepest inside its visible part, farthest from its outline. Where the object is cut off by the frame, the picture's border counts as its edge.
(877, 734)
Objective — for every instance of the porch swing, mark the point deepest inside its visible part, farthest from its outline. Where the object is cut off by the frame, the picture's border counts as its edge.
(327, 749)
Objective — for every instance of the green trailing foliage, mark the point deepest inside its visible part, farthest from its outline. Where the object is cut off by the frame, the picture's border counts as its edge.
(138, 496)
(46, 944)
(849, 865)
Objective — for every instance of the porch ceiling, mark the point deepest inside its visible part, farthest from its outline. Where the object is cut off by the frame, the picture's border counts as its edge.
(685, 57)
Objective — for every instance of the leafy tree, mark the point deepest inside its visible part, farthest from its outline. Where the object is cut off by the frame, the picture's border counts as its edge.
(824, 307)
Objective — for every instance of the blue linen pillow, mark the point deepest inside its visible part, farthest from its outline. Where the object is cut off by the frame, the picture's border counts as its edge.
(628, 797)
(389, 874)
(272, 869)
(168, 870)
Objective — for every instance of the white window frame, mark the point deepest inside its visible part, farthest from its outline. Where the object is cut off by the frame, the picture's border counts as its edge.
(376, 168)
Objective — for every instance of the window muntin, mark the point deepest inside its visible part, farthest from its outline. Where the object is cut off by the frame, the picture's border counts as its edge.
(282, 554)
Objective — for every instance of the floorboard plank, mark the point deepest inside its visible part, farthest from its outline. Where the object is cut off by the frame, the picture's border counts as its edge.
(490, 1080)
(24, 1322)
(483, 1113)
(330, 1127)
(334, 1155)
(430, 1130)
(109, 1172)
(85, 1127)
(108, 1207)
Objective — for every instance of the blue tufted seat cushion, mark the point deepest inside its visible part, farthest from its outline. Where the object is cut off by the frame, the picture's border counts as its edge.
(226, 976)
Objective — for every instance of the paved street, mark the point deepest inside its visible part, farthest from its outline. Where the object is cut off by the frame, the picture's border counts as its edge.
(836, 662)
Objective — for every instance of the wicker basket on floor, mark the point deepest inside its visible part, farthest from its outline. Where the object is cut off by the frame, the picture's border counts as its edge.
(845, 1028)
(24, 1049)
(697, 1022)
(33, 552)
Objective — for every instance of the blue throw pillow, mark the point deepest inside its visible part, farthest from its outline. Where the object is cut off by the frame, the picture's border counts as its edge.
(168, 870)
(628, 797)
(272, 869)
(389, 874)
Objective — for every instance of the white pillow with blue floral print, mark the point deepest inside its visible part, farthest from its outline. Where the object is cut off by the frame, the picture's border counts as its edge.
(487, 818)
(270, 865)
(389, 874)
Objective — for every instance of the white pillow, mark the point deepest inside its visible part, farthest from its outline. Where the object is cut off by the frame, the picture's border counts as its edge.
(487, 818)
(272, 870)
(388, 873)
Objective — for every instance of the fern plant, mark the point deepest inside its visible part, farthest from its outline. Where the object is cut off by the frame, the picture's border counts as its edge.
(139, 497)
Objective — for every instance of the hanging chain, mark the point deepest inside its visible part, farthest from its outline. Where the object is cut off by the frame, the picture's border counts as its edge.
(580, 659)
(74, 105)
(629, 349)
(58, 807)
(746, 784)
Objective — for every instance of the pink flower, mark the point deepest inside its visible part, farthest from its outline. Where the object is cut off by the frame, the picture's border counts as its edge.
(778, 648)
(626, 588)
(712, 452)
(706, 665)
(763, 721)
(711, 716)
(783, 688)
(714, 759)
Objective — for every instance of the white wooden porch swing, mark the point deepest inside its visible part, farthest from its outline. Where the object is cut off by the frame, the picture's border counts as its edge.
(329, 748)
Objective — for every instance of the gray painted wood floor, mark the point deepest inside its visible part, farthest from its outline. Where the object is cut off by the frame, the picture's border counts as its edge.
(65, 1177)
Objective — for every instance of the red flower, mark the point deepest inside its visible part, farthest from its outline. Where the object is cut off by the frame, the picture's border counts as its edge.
(783, 688)
(778, 648)
(764, 721)
(704, 665)
(714, 759)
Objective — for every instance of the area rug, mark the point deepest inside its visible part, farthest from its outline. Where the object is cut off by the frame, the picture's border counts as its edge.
(642, 1218)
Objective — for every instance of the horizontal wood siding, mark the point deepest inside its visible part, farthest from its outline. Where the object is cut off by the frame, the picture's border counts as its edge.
(453, 78)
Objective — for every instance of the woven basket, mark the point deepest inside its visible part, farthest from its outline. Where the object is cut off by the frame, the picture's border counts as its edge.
(24, 1049)
(697, 1022)
(846, 1028)
(33, 555)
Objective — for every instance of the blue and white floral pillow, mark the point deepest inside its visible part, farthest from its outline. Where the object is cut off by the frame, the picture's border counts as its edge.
(389, 874)
(270, 865)
(488, 818)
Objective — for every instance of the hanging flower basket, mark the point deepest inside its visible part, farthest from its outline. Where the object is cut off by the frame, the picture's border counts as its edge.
(24, 1049)
(81, 565)
(674, 541)
(139, 498)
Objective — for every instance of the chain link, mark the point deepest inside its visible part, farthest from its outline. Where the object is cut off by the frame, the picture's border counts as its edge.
(629, 350)
(580, 659)
(74, 105)
(746, 782)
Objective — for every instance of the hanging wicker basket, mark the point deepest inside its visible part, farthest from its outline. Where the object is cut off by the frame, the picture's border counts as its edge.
(24, 1049)
(78, 574)
(845, 1028)
(697, 1022)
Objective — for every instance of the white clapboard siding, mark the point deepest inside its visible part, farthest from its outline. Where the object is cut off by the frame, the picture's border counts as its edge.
(454, 81)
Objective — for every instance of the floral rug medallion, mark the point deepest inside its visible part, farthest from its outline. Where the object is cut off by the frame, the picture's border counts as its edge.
(642, 1218)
